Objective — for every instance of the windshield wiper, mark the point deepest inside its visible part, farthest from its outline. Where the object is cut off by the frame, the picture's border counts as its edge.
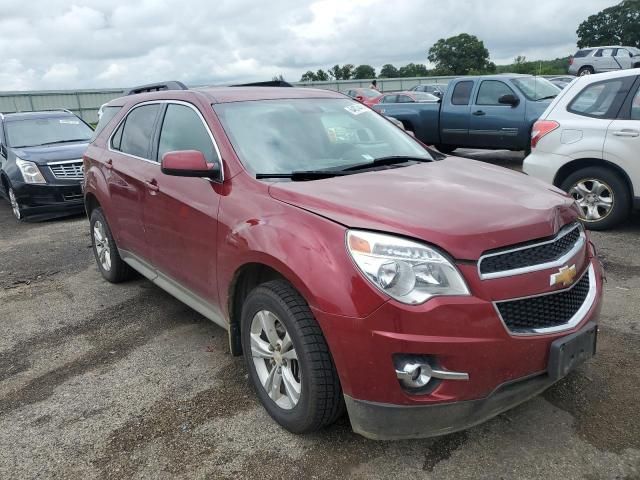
(304, 174)
(379, 162)
(549, 97)
(63, 141)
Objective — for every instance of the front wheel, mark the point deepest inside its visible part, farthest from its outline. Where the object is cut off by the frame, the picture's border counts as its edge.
(111, 266)
(288, 359)
(601, 194)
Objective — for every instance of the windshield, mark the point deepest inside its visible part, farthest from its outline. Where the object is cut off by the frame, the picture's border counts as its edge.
(536, 88)
(369, 93)
(46, 131)
(284, 136)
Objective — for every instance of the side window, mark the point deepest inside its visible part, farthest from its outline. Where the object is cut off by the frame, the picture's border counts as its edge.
(138, 129)
(107, 115)
(389, 99)
(622, 53)
(607, 52)
(490, 91)
(462, 93)
(116, 140)
(183, 129)
(635, 106)
(404, 99)
(600, 100)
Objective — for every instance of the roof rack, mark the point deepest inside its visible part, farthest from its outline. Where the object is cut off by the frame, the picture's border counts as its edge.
(158, 87)
(66, 110)
(270, 83)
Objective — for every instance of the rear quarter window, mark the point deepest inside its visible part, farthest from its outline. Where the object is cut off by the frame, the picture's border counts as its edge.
(107, 115)
(583, 53)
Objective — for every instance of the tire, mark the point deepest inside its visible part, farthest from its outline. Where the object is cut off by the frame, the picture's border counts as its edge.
(446, 149)
(601, 194)
(585, 71)
(308, 395)
(15, 206)
(105, 251)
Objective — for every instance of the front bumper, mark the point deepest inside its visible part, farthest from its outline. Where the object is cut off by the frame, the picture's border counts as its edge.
(464, 334)
(49, 200)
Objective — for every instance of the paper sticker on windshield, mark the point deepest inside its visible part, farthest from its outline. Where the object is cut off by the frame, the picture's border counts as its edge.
(356, 109)
(70, 122)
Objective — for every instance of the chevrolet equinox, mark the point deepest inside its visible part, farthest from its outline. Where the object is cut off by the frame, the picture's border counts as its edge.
(352, 266)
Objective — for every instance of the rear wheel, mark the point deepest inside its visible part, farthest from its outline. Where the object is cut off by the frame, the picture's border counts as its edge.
(111, 266)
(288, 359)
(585, 71)
(601, 194)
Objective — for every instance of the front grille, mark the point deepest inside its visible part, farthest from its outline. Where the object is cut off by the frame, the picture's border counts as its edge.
(69, 197)
(545, 311)
(67, 170)
(528, 256)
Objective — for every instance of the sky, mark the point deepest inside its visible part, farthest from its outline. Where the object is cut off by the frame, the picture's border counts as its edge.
(57, 44)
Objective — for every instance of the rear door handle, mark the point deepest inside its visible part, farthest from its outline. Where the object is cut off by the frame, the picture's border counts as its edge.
(478, 113)
(627, 132)
(152, 185)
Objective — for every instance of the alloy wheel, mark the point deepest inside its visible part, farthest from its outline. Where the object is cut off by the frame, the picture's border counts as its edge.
(103, 249)
(584, 72)
(594, 197)
(275, 359)
(15, 207)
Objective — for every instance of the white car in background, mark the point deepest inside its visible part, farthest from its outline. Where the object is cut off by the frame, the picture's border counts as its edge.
(587, 142)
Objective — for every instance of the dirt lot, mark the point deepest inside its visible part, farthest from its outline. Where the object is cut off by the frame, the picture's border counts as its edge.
(105, 381)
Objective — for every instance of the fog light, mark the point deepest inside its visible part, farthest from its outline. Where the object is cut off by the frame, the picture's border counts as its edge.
(414, 375)
(414, 372)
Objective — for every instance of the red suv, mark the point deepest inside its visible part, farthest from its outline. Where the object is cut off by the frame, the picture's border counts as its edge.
(350, 265)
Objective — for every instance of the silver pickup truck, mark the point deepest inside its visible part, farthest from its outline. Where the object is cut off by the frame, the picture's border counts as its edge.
(603, 59)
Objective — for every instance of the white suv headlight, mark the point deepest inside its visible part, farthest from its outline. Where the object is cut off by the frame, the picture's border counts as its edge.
(30, 171)
(408, 271)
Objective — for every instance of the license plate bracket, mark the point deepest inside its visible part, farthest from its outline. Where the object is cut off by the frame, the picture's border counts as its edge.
(570, 351)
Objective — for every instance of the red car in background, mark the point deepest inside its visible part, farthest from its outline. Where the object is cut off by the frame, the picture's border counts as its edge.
(408, 97)
(350, 266)
(368, 96)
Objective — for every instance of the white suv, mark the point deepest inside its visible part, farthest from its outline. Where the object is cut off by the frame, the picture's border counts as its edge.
(587, 142)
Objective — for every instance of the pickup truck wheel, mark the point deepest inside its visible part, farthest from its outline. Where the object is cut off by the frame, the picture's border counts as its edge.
(585, 71)
(111, 266)
(288, 359)
(446, 149)
(603, 197)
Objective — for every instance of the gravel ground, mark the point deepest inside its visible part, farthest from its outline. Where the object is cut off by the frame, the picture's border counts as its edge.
(106, 381)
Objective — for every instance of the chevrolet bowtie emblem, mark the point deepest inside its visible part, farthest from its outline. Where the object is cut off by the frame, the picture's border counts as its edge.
(565, 276)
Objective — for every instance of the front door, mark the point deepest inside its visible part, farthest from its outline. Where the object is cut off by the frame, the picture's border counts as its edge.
(495, 125)
(181, 214)
(129, 169)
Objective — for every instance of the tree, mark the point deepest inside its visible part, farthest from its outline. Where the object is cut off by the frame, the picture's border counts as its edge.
(322, 76)
(520, 65)
(460, 55)
(413, 70)
(388, 71)
(278, 78)
(341, 73)
(308, 76)
(617, 25)
(364, 71)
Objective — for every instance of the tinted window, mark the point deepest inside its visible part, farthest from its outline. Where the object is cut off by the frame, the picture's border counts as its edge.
(138, 128)
(47, 131)
(598, 99)
(491, 90)
(582, 53)
(462, 93)
(182, 129)
(635, 106)
(107, 115)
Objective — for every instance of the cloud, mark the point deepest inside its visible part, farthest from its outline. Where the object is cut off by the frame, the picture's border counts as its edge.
(96, 44)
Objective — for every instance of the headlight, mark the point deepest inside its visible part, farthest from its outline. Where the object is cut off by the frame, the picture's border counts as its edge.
(30, 171)
(408, 271)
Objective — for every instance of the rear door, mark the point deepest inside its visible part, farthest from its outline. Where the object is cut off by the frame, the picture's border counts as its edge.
(181, 214)
(622, 142)
(495, 125)
(604, 61)
(129, 169)
(454, 114)
(623, 58)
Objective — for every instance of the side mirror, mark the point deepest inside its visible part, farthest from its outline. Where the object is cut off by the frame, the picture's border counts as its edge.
(509, 100)
(189, 163)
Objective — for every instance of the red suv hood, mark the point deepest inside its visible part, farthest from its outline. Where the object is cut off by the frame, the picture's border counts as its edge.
(463, 206)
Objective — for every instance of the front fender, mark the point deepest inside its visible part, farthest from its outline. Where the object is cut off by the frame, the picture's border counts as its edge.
(95, 184)
(306, 249)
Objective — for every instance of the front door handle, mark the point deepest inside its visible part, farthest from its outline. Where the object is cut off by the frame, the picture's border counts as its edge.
(152, 185)
(627, 132)
(478, 113)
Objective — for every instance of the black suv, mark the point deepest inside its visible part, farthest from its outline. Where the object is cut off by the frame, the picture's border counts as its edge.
(41, 162)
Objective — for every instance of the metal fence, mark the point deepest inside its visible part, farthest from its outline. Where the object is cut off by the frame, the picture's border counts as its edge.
(86, 103)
